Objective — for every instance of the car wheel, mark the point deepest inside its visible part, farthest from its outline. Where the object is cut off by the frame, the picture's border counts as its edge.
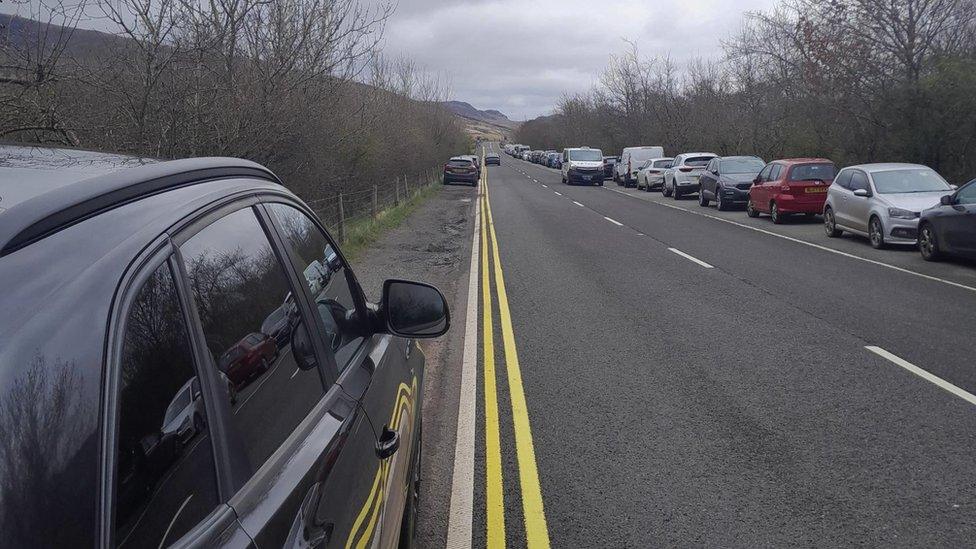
(719, 203)
(751, 210)
(665, 190)
(876, 233)
(676, 193)
(702, 201)
(928, 244)
(830, 224)
(600, 183)
(408, 524)
(774, 214)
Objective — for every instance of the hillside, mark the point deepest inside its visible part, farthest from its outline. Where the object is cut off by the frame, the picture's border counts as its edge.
(486, 124)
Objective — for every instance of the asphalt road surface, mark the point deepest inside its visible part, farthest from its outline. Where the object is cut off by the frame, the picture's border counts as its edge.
(653, 373)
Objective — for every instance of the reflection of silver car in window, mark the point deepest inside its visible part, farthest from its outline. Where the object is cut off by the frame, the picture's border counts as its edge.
(184, 415)
(316, 276)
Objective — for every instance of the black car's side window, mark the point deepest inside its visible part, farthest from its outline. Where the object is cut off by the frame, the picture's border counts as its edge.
(967, 194)
(328, 280)
(165, 481)
(254, 331)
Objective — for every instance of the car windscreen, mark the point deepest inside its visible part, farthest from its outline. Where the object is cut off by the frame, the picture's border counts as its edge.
(663, 163)
(698, 161)
(813, 172)
(638, 156)
(741, 165)
(910, 180)
(586, 155)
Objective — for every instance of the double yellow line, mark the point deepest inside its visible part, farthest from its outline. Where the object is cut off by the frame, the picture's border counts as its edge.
(536, 530)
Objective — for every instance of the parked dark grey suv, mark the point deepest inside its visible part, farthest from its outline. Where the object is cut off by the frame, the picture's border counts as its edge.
(142, 405)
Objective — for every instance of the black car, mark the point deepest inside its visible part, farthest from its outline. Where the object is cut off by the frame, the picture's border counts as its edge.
(727, 180)
(492, 158)
(125, 280)
(949, 228)
(461, 170)
(608, 165)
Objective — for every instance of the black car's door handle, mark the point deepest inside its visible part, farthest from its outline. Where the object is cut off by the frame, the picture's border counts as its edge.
(388, 443)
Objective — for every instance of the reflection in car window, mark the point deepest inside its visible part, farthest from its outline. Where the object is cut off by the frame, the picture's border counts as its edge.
(271, 376)
(165, 481)
(858, 180)
(775, 172)
(844, 179)
(812, 172)
(967, 194)
(328, 280)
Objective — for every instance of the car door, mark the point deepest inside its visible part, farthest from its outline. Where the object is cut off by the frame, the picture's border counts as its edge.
(709, 179)
(857, 208)
(959, 225)
(296, 444)
(383, 372)
(757, 193)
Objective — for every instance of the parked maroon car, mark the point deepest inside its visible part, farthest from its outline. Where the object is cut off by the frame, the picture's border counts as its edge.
(248, 358)
(791, 186)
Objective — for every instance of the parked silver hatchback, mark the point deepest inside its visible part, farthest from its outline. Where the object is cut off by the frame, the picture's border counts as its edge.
(882, 201)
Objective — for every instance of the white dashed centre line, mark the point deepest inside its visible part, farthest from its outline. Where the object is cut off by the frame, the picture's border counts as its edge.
(934, 379)
(545, 186)
(578, 204)
(690, 258)
(614, 221)
(557, 192)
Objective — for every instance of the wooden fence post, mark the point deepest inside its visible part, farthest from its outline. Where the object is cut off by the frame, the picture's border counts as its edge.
(375, 212)
(396, 185)
(342, 221)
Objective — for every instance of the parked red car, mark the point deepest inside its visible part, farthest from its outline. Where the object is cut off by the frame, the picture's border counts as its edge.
(248, 358)
(791, 186)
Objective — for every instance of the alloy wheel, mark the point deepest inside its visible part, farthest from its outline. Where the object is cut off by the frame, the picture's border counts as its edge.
(875, 233)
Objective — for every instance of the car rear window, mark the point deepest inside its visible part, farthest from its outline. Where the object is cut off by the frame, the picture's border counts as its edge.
(662, 163)
(698, 161)
(460, 163)
(813, 172)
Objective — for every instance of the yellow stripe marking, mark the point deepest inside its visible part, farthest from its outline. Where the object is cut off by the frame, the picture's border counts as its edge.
(536, 530)
(494, 490)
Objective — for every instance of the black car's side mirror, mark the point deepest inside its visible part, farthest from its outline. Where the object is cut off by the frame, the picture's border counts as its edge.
(414, 309)
(946, 200)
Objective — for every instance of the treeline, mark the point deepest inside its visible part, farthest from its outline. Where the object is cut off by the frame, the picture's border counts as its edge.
(851, 80)
(298, 85)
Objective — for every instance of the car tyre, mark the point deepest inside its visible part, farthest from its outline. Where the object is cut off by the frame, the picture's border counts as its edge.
(751, 210)
(676, 193)
(774, 214)
(665, 190)
(928, 243)
(830, 224)
(408, 524)
(702, 201)
(876, 233)
(720, 204)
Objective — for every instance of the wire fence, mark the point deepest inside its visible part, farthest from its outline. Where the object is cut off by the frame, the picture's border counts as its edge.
(344, 209)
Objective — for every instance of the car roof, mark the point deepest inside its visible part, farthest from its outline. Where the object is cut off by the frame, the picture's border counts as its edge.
(887, 166)
(792, 161)
(739, 156)
(53, 188)
(697, 154)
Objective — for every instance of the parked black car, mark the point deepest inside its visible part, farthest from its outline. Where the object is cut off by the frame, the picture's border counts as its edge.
(125, 280)
(949, 228)
(727, 180)
(608, 164)
(461, 170)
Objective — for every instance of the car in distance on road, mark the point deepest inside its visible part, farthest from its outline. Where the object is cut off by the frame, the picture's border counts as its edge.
(492, 159)
(949, 228)
(608, 165)
(791, 186)
(882, 201)
(554, 160)
(727, 180)
(651, 174)
(461, 170)
(682, 177)
(632, 158)
(170, 263)
(582, 165)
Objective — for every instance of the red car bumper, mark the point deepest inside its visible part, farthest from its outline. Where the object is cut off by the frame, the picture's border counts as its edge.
(812, 203)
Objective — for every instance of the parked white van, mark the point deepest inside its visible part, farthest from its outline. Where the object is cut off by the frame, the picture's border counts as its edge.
(631, 160)
(582, 165)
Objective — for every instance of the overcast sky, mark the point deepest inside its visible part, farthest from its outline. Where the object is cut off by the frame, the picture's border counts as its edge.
(520, 56)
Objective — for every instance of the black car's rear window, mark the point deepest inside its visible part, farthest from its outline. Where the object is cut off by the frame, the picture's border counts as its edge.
(460, 163)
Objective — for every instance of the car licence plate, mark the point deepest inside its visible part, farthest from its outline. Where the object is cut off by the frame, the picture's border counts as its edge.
(816, 189)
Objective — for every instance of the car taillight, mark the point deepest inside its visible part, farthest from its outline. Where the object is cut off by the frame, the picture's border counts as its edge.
(686, 168)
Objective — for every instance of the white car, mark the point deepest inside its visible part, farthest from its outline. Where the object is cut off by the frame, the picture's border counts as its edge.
(682, 177)
(631, 159)
(882, 201)
(650, 176)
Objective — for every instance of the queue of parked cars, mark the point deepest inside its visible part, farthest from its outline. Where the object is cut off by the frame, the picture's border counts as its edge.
(888, 204)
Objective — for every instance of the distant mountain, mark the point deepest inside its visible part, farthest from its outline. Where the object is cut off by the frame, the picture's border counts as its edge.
(465, 110)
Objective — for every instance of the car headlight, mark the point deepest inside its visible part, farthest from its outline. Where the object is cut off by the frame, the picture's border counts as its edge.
(902, 214)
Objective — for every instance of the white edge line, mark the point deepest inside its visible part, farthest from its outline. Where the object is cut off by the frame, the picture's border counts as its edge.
(614, 221)
(805, 243)
(460, 517)
(932, 378)
(578, 204)
(690, 258)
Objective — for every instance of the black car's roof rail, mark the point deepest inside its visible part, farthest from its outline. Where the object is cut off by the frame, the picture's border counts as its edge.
(47, 213)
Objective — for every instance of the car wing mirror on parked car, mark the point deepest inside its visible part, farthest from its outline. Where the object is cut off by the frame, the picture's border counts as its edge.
(863, 193)
(414, 309)
(946, 200)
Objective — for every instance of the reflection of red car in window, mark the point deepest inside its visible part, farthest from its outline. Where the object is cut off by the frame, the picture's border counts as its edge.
(248, 358)
(792, 186)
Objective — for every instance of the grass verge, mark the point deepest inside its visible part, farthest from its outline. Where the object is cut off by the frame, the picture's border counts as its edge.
(361, 234)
